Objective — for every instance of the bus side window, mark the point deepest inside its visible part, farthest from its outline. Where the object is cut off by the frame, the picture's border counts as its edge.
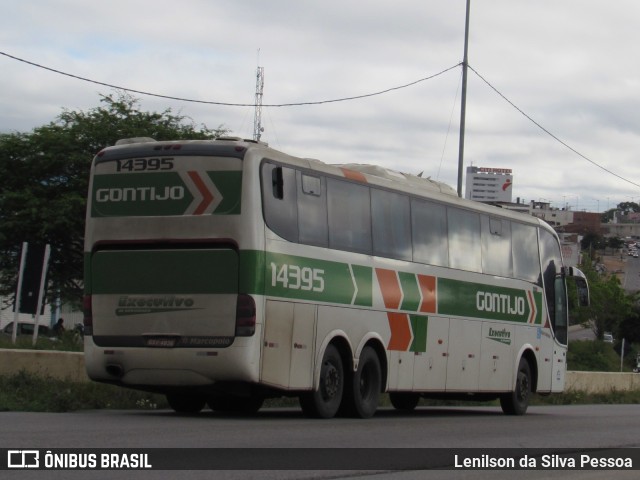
(526, 257)
(349, 212)
(279, 204)
(312, 210)
(465, 249)
(391, 222)
(496, 247)
(429, 232)
(277, 183)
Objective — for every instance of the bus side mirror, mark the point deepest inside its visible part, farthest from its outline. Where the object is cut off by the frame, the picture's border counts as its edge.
(583, 291)
(580, 280)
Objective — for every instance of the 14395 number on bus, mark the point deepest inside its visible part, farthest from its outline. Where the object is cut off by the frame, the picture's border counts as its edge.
(295, 277)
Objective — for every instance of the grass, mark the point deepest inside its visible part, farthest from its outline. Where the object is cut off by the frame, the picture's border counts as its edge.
(597, 356)
(67, 342)
(27, 392)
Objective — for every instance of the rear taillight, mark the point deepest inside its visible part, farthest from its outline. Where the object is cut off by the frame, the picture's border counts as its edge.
(245, 316)
(88, 315)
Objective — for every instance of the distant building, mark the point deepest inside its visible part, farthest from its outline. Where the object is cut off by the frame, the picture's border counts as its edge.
(485, 184)
(553, 216)
(585, 222)
(571, 251)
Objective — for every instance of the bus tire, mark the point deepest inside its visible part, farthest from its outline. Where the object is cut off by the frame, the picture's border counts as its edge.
(366, 384)
(517, 401)
(405, 401)
(325, 401)
(184, 403)
(235, 404)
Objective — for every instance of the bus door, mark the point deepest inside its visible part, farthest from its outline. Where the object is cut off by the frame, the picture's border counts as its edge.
(560, 327)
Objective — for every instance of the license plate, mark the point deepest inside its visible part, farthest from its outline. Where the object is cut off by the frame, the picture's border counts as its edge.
(161, 342)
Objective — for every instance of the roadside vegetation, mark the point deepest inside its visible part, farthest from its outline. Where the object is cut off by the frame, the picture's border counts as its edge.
(27, 392)
(67, 342)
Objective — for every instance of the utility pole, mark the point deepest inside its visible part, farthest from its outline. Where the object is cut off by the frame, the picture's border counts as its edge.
(257, 118)
(463, 102)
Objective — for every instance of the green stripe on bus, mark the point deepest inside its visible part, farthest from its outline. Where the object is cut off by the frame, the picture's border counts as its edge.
(363, 277)
(297, 278)
(164, 272)
(411, 298)
(479, 300)
(140, 194)
(252, 269)
(419, 328)
(302, 278)
(229, 183)
(164, 194)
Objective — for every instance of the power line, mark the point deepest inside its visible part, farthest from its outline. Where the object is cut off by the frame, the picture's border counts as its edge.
(227, 104)
(321, 102)
(555, 137)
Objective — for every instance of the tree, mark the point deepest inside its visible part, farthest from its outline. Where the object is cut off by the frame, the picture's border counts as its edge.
(615, 243)
(609, 304)
(592, 242)
(624, 207)
(45, 177)
(629, 207)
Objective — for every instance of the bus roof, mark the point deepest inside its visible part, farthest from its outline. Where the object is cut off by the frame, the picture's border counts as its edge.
(367, 173)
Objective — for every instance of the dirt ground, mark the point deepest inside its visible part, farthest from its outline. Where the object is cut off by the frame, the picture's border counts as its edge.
(614, 264)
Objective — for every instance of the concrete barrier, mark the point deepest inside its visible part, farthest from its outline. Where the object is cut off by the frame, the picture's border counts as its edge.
(70, 366)
(601, 382)
(48, 363)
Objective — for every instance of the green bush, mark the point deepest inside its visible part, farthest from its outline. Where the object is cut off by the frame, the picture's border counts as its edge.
(592, 356)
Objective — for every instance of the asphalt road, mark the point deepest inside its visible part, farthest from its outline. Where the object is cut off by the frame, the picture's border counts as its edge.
(584, 428)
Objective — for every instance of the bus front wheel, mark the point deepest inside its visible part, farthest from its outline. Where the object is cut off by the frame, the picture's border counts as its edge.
(517, 401)
(325, 401)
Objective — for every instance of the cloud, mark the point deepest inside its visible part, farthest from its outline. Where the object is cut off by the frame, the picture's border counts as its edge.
(569, 65)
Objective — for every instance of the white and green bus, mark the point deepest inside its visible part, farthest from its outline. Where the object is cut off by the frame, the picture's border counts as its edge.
(224, 272)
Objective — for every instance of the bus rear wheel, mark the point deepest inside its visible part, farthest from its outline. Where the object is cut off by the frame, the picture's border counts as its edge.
(325, 401)
(517, 401)
(185, 403)
(361, 399)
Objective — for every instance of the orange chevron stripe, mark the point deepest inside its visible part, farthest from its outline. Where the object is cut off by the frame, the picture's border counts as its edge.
(429, 295)
(207, 198)
(390, 287)
(532, 307)
(400, 331)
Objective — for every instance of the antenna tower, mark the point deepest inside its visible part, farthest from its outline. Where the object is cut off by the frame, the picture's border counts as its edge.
(257, 118)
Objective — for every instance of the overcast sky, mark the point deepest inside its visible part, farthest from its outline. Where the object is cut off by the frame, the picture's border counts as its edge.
(571, 65)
